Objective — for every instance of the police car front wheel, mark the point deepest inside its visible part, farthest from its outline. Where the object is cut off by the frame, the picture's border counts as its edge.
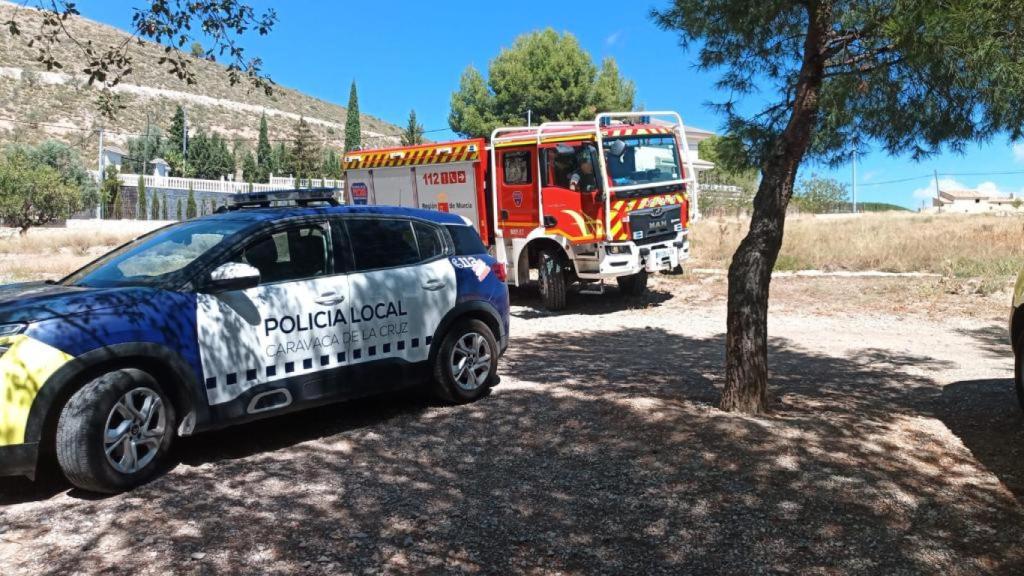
(467, 362)
(113, 433)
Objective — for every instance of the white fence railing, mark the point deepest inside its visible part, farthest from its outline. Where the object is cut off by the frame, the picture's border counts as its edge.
(223, 186)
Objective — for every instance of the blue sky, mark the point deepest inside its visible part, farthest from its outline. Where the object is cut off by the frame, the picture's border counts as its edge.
(409, 54)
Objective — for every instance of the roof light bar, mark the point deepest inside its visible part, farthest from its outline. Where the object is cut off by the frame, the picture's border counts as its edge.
(303, 197)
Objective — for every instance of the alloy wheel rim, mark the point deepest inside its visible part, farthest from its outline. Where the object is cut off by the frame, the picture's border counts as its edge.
(135, 429)
(470, 361)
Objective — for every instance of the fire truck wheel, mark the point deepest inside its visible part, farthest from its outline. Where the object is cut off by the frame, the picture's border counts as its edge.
(466, 365)
(552, 280)
(634, 284)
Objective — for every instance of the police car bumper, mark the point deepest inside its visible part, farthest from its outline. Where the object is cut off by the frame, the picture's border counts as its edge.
(623, 259)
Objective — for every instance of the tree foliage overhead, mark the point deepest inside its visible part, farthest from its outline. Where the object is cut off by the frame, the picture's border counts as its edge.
(545, 72)
(910, 76)
(174, 25)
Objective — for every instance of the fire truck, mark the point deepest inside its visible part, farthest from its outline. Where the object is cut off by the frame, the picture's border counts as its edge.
(557, 204)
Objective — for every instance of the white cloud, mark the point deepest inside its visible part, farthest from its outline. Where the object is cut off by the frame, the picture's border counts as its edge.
(989, 188)
(1018, 152)
(944, 183)
(613, 38)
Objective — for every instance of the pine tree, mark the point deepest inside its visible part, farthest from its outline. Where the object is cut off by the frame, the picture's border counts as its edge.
(140, 211)
(306, 151)
(156, 207)
(413, 133)
(352, 129)
(264, 154)
(191, 210)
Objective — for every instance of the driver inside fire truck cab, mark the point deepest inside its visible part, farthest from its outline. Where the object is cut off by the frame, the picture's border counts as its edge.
(575, 166)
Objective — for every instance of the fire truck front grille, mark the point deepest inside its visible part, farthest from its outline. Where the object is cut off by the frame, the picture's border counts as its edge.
(655, 224)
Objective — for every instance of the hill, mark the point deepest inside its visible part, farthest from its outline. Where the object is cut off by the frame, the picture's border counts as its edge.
(35, 104)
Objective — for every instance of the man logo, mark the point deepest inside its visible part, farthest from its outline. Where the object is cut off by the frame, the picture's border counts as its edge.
(657, 212)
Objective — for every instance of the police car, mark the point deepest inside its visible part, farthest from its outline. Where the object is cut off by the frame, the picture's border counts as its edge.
(283, 302)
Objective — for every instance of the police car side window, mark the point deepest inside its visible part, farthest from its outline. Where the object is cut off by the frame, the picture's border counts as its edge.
(382, 243)
(294, 254)
(428, 238)
(467, 241)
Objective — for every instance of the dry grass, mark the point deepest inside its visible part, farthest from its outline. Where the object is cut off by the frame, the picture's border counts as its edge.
(982, 247)
(50, 253)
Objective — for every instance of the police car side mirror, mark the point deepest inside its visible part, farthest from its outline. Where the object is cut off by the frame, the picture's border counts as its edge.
(232, 276)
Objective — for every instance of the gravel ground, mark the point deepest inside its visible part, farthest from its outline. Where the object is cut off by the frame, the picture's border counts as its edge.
(894, 448)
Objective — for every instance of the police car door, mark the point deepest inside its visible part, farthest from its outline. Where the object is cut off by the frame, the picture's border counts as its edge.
(287, 330)
(401, 287)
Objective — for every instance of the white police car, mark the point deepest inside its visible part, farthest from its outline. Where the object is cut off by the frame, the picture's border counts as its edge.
(252, 312)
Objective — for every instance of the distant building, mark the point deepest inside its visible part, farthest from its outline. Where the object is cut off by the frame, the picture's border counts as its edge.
(113, 156)
(160, 167)
(974, 202)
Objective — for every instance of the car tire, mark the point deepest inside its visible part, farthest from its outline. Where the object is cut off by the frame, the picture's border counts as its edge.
(466, 364)
(634, 284)
(553, 284)
(115, 432)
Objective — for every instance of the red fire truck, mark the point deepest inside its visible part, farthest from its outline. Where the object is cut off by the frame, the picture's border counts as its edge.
(559, 203)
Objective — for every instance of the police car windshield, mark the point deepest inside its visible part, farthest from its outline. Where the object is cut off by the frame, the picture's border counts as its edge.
(646, 160)
(157, 258)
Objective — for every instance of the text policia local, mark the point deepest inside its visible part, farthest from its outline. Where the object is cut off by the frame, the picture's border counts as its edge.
(331, 318)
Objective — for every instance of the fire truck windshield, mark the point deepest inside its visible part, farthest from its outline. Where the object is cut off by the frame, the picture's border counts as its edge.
(645, 160)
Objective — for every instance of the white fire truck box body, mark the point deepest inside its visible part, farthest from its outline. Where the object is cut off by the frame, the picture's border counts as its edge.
(446, 177)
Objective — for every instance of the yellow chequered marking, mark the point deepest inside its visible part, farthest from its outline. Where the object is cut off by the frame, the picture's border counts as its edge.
(26, 366)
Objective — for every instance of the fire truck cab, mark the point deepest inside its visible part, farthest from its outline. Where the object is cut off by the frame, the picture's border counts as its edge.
(557, 204)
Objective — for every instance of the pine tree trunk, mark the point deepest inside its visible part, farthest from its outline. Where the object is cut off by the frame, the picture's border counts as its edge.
(750, 273)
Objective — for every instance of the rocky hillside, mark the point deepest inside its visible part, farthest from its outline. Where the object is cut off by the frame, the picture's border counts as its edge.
(35, 104)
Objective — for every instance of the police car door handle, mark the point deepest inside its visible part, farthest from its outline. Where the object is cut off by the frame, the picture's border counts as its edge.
(330, 299)
(433, 284)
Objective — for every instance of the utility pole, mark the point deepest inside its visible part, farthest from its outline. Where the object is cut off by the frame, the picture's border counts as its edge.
(99, 157)
(855, 181)
(936, 172)
(529, 117)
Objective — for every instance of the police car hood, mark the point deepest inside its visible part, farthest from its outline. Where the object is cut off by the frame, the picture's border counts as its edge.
(31, 302)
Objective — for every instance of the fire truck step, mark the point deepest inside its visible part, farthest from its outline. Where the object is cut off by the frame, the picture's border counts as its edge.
(594, 289)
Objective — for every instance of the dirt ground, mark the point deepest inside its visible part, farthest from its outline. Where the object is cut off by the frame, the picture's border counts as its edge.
(896, 447)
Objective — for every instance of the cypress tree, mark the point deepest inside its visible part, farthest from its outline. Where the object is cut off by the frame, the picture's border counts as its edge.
(118, 207)
(352, 129)
(140, 211)
(166, 207)
(180, 215)
(191, 210)
(264, 154)
(156, 207)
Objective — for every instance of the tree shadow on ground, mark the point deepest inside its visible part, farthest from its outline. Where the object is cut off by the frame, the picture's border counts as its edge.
(987, 417)
(596, 456)
(993, 339)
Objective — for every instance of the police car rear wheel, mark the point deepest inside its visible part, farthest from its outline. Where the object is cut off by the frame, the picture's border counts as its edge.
(114, 432)
(466, 363)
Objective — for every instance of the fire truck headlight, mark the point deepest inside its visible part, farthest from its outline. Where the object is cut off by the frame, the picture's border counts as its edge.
(617, 249)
